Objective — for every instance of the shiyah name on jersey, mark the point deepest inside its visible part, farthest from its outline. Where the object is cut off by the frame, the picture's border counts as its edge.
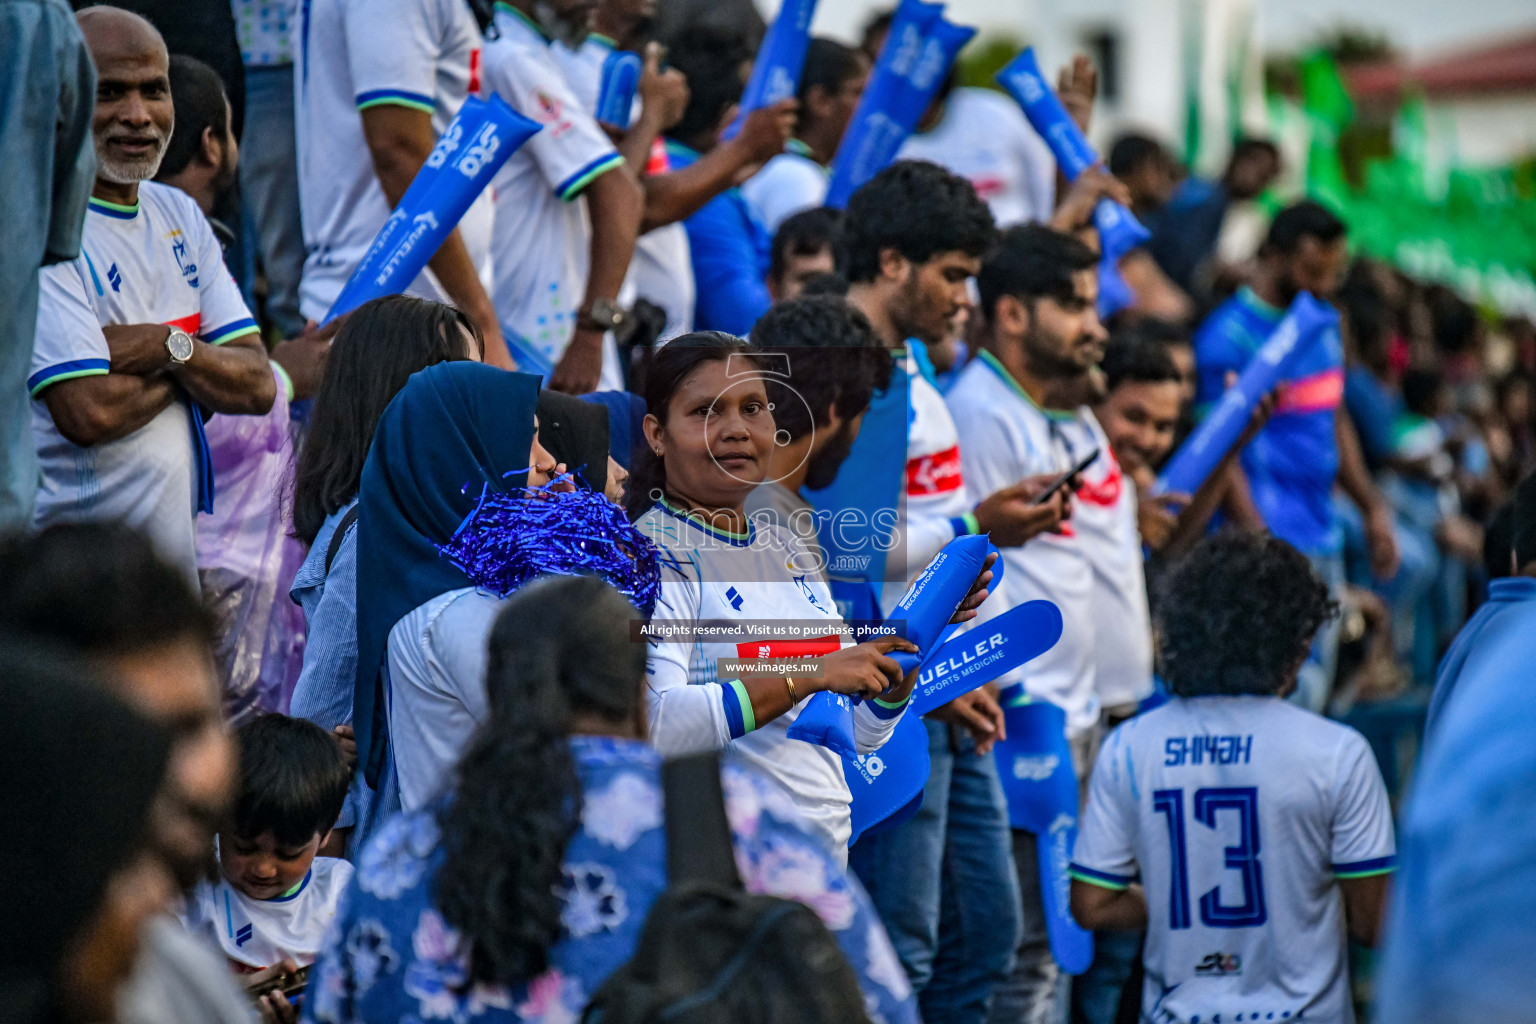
(1194, 750)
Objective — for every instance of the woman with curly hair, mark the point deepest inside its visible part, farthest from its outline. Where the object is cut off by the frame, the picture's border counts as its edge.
(1244, 833)
(519, 890)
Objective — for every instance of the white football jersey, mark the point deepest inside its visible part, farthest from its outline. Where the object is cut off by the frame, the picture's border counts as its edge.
(260, 933)
(985, 138)
(542, 239)
(763, 576)
(1005, 437)
(661, 271)
(787, 184)
(1104, 515)
(156, 262)
(1238, 814)
(354, 55)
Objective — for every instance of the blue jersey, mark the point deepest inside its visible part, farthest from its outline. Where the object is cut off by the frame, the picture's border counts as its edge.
(731, 250)
(1293, 462)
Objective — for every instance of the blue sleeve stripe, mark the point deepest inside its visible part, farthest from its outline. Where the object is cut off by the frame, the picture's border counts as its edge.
(67, 371)
(1103, 879)
(403, 97)
(230, 330)
(1365, 868)
(885, 710)
(571, 187)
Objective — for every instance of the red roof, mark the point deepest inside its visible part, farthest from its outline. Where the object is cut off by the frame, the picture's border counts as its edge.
(1500, 68)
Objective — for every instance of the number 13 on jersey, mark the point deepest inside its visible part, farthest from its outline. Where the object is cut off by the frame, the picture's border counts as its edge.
(1243, 857)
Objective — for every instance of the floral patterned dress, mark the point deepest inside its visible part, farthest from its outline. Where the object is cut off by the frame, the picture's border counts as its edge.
(390, 956)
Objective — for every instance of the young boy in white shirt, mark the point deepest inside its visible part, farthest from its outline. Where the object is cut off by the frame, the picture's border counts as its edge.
(274, 898)
(1245, 834)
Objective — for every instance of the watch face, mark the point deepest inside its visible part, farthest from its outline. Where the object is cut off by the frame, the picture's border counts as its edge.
(180, 345)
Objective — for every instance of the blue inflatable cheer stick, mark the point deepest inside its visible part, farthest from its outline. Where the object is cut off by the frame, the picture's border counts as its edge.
(1305, 323)
(617, 87)
(780, 59)
(437, 209)
(982, 654)
(1035, 765)
(872, 124)
(1119, 230)
(890, 781)
(921, 616)
(472, 114)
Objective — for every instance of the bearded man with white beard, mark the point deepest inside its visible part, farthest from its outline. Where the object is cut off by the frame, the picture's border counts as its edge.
(144, 335)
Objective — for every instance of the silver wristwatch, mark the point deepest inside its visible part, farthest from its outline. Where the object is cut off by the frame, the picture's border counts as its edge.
(179, 344)
(605, 315)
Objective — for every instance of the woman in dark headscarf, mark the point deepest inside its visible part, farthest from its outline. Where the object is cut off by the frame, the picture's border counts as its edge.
(81, 881)
(457, 511)
(575, 432)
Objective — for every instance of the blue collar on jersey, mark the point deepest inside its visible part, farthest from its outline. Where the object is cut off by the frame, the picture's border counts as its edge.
(992, 363)
(739, 540)
(533, 26)
(293, 894)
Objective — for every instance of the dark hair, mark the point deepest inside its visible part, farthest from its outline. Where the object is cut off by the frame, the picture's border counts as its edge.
(197, 93)
(672, 364)
(824, 284)
(1453, 321)
(1420, 388)
(1238, 615)
(1031, 262)
(835, 361)
(710, 57)
(805, 234)
(380, 344)
(560, 648)
(1522, 522)
(1306, 219)
(1249, 146)
(917, 208)
(1131, 151)
(1130, 359)
(828, 64)
(97, 588)
(293, 779)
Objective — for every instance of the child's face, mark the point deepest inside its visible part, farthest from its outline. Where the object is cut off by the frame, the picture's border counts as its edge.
(261, 867)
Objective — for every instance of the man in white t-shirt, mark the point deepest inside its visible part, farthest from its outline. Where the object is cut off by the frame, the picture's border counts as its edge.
(145, 331)
(830, 86)
(375, 83)
(913, 236)
(1245, 834)
(568, 207)
(1038, 289)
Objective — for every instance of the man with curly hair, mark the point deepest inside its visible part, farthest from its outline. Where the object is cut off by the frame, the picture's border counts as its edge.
(1244, 833)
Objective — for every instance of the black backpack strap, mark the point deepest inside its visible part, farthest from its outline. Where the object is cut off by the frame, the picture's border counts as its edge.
(347, 522)
(699, 847)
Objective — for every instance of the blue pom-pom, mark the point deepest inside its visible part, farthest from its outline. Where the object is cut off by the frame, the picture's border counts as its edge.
(511, 538)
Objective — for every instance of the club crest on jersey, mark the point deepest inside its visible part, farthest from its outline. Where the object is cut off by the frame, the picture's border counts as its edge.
(1220, 964)
(183, 257)
(734, 598)
(115, 278)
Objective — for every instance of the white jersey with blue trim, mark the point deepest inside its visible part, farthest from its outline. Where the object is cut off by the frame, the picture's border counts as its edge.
(260, 933)
(1239, 814)
(1004, 437)
(352, 56)
(542, 237)
(762, 576)
(156, 262)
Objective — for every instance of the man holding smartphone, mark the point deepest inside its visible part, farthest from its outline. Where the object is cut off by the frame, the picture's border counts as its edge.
(1038, 290)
